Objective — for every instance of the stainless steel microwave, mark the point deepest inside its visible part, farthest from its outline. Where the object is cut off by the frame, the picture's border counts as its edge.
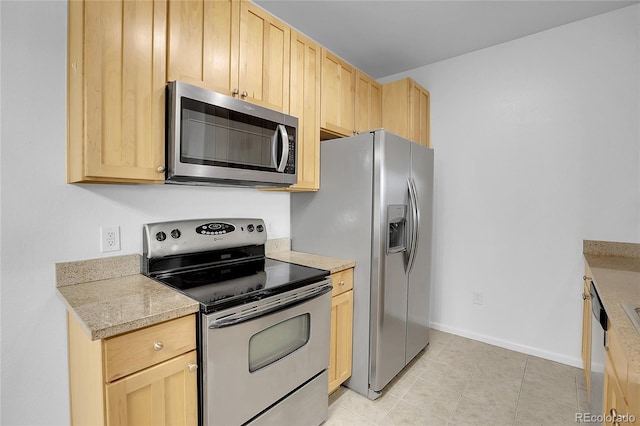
(214, 139)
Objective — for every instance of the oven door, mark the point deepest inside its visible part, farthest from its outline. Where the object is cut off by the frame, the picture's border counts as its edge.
(256, 354)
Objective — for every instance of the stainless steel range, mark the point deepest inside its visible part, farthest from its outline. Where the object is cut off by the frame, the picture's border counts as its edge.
(264, 325)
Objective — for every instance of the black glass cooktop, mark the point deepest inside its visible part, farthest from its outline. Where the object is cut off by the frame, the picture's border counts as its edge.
(222, 286)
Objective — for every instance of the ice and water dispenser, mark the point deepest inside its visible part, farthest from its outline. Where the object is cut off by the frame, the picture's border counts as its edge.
(396, 223)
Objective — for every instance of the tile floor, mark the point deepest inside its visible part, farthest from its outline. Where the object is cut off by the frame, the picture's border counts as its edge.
(458, 381)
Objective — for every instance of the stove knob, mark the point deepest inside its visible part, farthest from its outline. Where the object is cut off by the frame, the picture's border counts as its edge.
(175, 234)
(250, 228)
(161, 236)
(260, 228)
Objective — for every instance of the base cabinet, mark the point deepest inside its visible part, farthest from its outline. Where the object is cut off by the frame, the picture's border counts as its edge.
(341, 346)
(147, 376)
(621, 397)
(586, 328)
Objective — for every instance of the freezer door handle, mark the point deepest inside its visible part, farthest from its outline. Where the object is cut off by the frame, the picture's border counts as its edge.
(415, 223)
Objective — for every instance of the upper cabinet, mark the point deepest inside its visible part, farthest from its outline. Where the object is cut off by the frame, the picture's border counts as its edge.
(337, 97)
(305, 104)
(405, 110)
(351, 101)
(116, 91)
(232, 47)
(368, 103)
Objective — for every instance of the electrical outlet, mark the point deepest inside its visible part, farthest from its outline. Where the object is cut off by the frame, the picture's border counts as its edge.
(109, 238)
(477, 298)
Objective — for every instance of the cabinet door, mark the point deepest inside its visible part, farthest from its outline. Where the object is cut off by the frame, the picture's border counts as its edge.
(264, 58)
(614, 401)
(116, 91)
(305, 104)
(586, 332)
(340, 356)
(419, 119)
(165, 394)
(368, 103)
(203, 41)
(337, 95)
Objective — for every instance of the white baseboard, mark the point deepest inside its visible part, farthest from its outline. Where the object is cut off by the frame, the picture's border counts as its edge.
(561, 358)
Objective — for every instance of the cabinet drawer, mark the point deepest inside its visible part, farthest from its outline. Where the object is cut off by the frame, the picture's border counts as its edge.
(131, 352)
(341, 281)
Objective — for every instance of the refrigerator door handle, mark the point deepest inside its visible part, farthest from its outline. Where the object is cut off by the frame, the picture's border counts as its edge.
(415, 221)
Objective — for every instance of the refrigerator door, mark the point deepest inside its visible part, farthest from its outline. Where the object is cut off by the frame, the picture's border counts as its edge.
(388, 270)
(420, 274)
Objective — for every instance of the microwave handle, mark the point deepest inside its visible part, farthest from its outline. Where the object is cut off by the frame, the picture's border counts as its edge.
(285, 148)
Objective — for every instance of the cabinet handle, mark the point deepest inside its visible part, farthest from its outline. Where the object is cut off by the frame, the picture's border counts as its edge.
(341, 282)
(157, 346)
(235, 92)
(160, 169)
(613, 412)
(585, 296)
(584, 278)
(244, 94)
(193, 367)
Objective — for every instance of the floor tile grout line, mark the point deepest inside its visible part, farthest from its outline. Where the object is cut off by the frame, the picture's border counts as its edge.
(524, 372)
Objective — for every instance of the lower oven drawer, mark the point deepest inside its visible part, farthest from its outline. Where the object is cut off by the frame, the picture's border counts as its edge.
(307, 406)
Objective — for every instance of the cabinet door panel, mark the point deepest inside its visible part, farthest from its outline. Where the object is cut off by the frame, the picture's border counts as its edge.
(419, 115)
(341, 344)
(264, 58)
(337, 95)
(368, 103)
(165, 394)
(124, 85)
(203, 43)
(305, 104)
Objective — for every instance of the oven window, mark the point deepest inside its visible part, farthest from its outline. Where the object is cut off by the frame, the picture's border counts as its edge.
(278, 341)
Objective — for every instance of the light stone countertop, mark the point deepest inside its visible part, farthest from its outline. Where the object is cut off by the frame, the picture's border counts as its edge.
(615, 269)
(109, 296)
(280, 249)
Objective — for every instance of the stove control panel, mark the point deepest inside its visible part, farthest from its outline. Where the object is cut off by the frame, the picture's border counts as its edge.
(192, 236)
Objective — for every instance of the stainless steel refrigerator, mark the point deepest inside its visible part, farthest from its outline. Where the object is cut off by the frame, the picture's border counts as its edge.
(374, 206)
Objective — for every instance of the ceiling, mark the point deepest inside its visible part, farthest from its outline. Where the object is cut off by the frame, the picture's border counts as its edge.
(385, 37)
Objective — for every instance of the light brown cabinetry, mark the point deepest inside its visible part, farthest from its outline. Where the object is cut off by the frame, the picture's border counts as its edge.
(340, 355)
(116, 74)
(616, 381)
(147, 376)
(586, 328)
(305, 104)
(232, 47)
(337, 97)
(406, 110)
(351, 101)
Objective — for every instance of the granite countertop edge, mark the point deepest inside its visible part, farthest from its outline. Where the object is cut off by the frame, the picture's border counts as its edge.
(108, 296)
(615, 269)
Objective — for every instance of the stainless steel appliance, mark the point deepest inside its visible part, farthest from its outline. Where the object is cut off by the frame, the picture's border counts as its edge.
(598, 344)
(264, 325)
(217, 139)
(375, 207)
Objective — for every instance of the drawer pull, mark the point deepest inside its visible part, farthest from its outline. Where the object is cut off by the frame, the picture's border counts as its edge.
(157, 346)
(193, 367)
(341, 282)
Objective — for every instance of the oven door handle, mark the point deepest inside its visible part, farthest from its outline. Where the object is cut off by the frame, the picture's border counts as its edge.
(268, 309)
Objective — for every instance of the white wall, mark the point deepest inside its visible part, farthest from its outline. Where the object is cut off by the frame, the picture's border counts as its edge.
(44, 220)
(537, 148)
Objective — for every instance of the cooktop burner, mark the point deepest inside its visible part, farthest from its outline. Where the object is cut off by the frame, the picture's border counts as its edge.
(218, 287)
(219, 269)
